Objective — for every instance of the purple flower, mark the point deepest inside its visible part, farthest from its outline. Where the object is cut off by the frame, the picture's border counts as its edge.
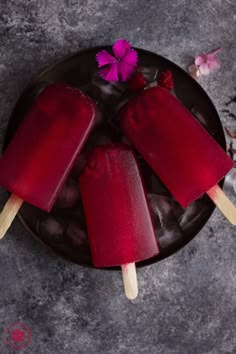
(204, 64)
(120, 66)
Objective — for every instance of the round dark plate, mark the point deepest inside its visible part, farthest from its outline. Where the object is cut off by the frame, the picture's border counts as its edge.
(64, 229)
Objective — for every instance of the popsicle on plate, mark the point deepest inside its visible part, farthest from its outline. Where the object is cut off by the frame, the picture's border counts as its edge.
(118, 220)
(180, 151)
(44, 148)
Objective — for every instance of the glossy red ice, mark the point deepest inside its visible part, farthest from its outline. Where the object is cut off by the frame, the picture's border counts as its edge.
(41, 154)
(180, 151)
(117, 215)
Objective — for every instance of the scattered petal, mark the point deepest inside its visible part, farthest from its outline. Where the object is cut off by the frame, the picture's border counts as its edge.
(205, 63)
(200, 59)
(192, 68)
(214, 64)
(215, 52)
(204, 69)
(194, 71)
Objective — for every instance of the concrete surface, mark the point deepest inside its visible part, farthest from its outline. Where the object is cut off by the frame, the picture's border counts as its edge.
(187, 303)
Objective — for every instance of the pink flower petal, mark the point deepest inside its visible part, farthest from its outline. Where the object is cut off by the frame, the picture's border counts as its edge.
(198, 73)
(104, 58)
(194, 71)
(214, 52)
(120, 48)
(109, 72)
(204, 69)
(192, 68)
(210, 57)
(214, 64)
(125, 70)
(200, 59)
(127, 65)
(131, 58)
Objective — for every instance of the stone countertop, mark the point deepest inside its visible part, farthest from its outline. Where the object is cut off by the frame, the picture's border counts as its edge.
(187, 303)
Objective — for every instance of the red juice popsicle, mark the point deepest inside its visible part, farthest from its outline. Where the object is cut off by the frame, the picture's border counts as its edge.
(118, 219)
(180, 151)
(44, 148)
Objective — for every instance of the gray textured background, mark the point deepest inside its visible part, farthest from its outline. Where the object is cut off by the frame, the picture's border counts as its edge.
(187, 303)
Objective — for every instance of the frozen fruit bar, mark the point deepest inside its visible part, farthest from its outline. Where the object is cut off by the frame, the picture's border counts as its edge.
(180, 151)
(43, 149)
(118, 219)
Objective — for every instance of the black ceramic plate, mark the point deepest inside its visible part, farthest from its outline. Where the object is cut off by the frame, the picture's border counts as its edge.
(64, 229)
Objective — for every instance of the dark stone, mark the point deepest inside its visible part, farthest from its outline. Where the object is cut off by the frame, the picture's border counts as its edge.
(186, 303)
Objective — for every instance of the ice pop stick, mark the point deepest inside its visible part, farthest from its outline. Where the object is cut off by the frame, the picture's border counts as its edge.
(8, 213)
(130, 280)
(223, 203)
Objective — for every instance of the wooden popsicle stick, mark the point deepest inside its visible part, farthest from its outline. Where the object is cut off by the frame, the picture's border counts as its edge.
(8, 213)
(223, 203)
(130, 280)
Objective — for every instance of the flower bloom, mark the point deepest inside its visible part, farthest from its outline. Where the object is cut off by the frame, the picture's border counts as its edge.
(120, 66)
(204, 64)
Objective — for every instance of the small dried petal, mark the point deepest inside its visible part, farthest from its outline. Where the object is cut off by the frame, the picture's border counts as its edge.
(205, 63)
(204, 69)
(200, 59)
(194, 71)
(214, 64)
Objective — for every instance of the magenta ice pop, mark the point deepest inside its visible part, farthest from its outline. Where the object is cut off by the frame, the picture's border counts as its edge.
(181, 152)
(117, 214)
(44, 148)
(41, 154)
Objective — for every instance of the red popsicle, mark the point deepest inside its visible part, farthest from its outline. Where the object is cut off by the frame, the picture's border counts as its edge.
(118, 219)
(45, 146)
(179, 150)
